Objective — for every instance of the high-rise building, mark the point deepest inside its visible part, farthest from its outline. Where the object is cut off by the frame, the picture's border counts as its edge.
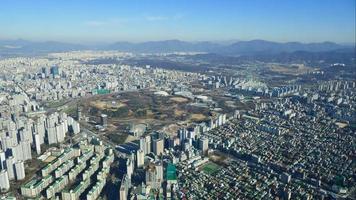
(154, 175)
(60, 132)
(10, 167)
(104, 120)
(2, 160)
(19, 170)
(123, 192)
(125, 184)
(203, 144)
(54, 70)
(26, 150)
(129, 168)
(140, 158)
(173, 142)
(147, 144)
(37, 143)
(44, 71)
(159, 171)
(143, 144)
(76, 127)
(158, 146)
(51, 135)
(4, 180)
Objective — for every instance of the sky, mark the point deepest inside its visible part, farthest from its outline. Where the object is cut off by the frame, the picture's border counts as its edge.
(104, 21)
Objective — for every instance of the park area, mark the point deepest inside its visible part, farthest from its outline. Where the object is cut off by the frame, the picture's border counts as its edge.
(210, 168)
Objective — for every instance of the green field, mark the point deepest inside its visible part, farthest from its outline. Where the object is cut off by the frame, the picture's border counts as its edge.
(210, 168)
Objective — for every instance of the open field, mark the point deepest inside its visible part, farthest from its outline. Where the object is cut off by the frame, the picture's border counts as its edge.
(179, 99)
(197, 117)
(129, 108)
(290, 70)
(210, 168)
(113, 105)
(165, 113)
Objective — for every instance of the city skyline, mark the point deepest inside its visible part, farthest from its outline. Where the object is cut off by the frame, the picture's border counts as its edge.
(138, 21)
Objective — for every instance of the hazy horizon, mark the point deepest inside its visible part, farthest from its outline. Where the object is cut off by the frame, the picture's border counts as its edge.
(219, 42)
(86, 22)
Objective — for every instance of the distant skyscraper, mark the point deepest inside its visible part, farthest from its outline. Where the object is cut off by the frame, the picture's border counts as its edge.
(55, 71)
(104, 120)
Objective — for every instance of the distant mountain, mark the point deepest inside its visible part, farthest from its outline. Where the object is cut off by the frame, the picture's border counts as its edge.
(253, 47)
(237, 48)
(267, 47)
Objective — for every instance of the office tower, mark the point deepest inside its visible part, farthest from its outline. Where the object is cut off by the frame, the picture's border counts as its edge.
(203, 144)
(4, 180)
(158, 146)
(19, 170)
(182, 135)
(140, 158)
(173, 142)
(191, 134)
(54, 71)
(104, 120)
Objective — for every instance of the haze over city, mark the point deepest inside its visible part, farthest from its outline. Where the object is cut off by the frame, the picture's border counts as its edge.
(177, 99)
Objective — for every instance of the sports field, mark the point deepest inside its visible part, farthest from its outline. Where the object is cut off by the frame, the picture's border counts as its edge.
(210, 168)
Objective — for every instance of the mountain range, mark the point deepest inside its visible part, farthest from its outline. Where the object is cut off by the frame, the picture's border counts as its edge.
(252, 47)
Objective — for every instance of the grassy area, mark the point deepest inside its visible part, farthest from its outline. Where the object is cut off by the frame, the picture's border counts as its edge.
(117, 138)
(210, 168)
(72, 111)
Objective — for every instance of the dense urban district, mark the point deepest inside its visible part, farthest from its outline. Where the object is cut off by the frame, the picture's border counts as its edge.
(112, 125)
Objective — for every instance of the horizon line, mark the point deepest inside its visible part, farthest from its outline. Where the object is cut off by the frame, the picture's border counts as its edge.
(214, 41)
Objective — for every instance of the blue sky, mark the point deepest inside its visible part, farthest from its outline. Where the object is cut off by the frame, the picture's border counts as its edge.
(85, 21)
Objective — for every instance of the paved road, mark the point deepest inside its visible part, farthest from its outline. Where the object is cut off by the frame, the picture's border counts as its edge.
(102, 138)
